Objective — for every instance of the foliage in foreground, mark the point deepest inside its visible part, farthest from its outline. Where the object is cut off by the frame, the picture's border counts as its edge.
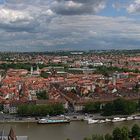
(119, 134)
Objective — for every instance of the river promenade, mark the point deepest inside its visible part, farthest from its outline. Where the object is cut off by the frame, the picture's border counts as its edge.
(4, 118)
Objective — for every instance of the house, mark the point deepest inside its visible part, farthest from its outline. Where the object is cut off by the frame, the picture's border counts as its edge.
(12, 106)
(79, 105)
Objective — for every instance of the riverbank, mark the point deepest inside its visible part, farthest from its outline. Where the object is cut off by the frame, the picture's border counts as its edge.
(72, 117)
(14, 121)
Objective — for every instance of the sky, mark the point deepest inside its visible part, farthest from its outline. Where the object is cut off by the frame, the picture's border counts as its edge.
(50, 25)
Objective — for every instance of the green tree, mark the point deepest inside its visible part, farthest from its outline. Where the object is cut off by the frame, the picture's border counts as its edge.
(22, 110)
(40, 110)
(90, 66)
(42, 95)
(130, 107)
(136, 88)
(44, 74)
(138, 105)
(97, 137)
(108, 137)
(120, 106)
(108, 109)
(125, 133)
(92, 107)
(1, 107)
(117, 135)
(135, 132)
(87, 138)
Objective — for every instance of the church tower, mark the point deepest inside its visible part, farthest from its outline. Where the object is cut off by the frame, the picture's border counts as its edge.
(12, 135)
(31, 70)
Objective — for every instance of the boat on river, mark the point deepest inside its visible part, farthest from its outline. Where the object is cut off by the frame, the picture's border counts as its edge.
(101, 121)
(130, 118)
(107, 120)
(52, 121)
(91, 121)
(86, 118)
(118, 119)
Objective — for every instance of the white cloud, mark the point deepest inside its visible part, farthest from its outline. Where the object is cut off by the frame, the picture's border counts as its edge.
(72, 4)
(134, 7)
(47, 24)
(8, 15)
(49, 12)
(78, 7)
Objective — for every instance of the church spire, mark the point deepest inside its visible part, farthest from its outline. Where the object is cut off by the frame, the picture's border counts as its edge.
(12, 135)
(31, 70)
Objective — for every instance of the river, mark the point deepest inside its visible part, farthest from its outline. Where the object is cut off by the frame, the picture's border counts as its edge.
(75, 130)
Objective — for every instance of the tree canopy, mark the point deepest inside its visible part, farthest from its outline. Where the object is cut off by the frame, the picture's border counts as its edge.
(40, 110)
(42, 95)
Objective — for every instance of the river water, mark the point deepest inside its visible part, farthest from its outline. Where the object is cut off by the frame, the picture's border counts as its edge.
(74, 130)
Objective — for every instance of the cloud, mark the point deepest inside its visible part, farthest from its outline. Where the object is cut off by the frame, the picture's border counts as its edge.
(134, 7)
(78, 7)
(41, 25)
(77, 32)
(15, 20)
(118, 5)
(8, 15)
(25, 15)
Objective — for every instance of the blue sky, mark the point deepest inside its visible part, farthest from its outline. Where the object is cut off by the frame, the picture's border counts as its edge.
(49, 25)
(2, 1)
(111, 11)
